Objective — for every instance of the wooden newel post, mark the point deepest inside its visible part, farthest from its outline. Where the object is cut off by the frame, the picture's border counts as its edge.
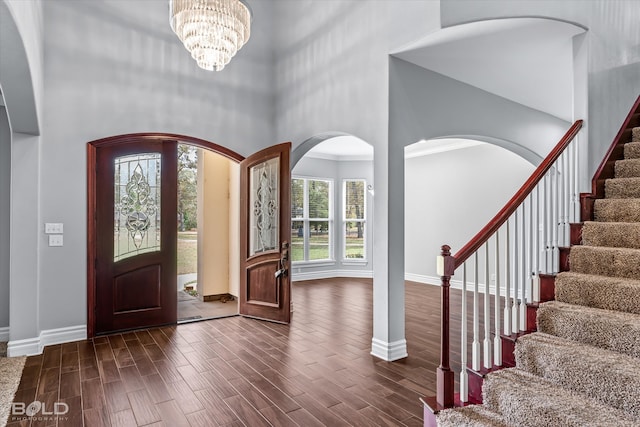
(445, 376)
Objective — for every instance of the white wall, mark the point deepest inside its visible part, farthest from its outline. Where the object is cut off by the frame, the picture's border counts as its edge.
(5, 213)
(613, 56)
(450, 196)
(337, 171)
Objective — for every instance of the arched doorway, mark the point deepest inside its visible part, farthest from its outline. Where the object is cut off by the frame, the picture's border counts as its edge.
(332, 207)
(132, 254)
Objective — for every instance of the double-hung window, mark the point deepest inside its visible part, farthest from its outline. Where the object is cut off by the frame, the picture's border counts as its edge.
(354, 219)
(311, 219)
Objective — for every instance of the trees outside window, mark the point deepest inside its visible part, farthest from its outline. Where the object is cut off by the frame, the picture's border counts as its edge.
(311, 219)
(354, 222)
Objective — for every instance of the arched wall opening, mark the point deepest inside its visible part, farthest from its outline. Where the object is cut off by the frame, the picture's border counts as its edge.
(221, 159)
(332, 176)
(20, 69)
(5, 222)
(482, 90)
(485, 176)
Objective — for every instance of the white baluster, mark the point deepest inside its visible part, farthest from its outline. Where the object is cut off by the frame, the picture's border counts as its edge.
(464, 379)
(548, 262)
(567, 198)
(576, 167)
(561, 199)
(475, 347)
(509, 281)
(515, 310)
(524, 275)
(487, 310)
(536, 245)
(554, 217)
(497, 342)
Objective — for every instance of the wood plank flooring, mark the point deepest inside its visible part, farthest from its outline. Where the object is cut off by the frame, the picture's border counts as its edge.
(237, 371)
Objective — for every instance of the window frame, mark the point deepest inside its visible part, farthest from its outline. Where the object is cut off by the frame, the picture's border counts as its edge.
(306, 220)
(343, 231)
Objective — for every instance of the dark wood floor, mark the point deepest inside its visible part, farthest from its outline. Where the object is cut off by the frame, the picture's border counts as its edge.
(237, 371)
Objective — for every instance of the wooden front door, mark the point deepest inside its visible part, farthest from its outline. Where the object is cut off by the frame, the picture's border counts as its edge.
(136, 234)
(265, 229)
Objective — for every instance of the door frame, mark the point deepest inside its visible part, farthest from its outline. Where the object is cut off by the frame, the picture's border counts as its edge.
(92, 147)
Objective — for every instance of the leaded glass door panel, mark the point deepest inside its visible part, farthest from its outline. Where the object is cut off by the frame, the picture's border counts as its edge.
(265, 182)
(136, 214)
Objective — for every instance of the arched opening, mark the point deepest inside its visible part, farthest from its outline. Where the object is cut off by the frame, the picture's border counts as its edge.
(520, 79)
(5, 225)
(215, 163)
(471, 178)
(332, 208)
(19, 122)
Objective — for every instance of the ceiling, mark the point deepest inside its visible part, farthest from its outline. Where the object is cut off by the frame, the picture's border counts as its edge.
(342, 148)
(525, 60)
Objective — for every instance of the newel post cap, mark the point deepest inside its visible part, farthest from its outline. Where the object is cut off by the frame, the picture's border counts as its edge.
(445, 262)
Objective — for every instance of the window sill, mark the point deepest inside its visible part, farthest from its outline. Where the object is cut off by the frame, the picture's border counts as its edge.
(354, 262)
(319, 263)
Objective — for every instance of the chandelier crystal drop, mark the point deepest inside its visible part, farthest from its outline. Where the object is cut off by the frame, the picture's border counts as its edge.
(212, 30)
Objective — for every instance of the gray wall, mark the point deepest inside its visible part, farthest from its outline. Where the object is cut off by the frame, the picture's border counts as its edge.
(450, 196)
(114, 67)
(612, 41)
(5, 212)
(337, 171)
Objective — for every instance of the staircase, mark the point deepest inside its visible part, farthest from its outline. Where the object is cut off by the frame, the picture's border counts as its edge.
(582, 366)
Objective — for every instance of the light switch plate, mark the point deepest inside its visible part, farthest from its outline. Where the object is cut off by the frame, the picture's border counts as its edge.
(53, 228)
(56, 240)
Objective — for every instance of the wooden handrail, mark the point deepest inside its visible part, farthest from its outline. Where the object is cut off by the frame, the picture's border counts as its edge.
(492, 226)
(616, 141)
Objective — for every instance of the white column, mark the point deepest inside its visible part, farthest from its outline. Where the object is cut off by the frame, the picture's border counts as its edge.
(25, 243)
(388, 341)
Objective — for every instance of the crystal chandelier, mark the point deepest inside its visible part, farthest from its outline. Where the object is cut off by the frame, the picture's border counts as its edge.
(212, 30)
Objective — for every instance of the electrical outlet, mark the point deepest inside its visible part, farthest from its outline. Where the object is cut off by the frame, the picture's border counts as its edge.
(54, 228)
(56, 240)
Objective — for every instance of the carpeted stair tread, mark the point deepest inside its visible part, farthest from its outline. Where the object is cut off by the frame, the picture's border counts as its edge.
(471, 416)
(523, 399)
(622, 188)
(617, 210)
(635, 134)
(608, 293)
(610, 330)
(605, 261)
(629, 168)
(606, 376)
(611, 234)
(632, 150)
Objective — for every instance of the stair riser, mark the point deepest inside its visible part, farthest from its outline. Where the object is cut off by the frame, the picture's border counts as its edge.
(569, 365)
(612, 262)
(619, 333)
(632, 151)
(613, 235)
(607, 294)
(616, 211)
(622, 188)
(627, 168)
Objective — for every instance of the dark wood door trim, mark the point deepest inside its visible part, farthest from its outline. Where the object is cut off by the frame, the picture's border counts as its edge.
(92, 147)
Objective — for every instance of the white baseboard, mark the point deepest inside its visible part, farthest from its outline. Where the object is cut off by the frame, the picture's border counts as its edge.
(389, 351)
(327, 274)
(4, 334)
(33, 346)
(455, 284)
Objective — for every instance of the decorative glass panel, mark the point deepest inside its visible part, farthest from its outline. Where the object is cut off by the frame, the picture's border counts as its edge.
(297, 240)
(319, 240)
(136, 205)
(354, 240)
(263, 202)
